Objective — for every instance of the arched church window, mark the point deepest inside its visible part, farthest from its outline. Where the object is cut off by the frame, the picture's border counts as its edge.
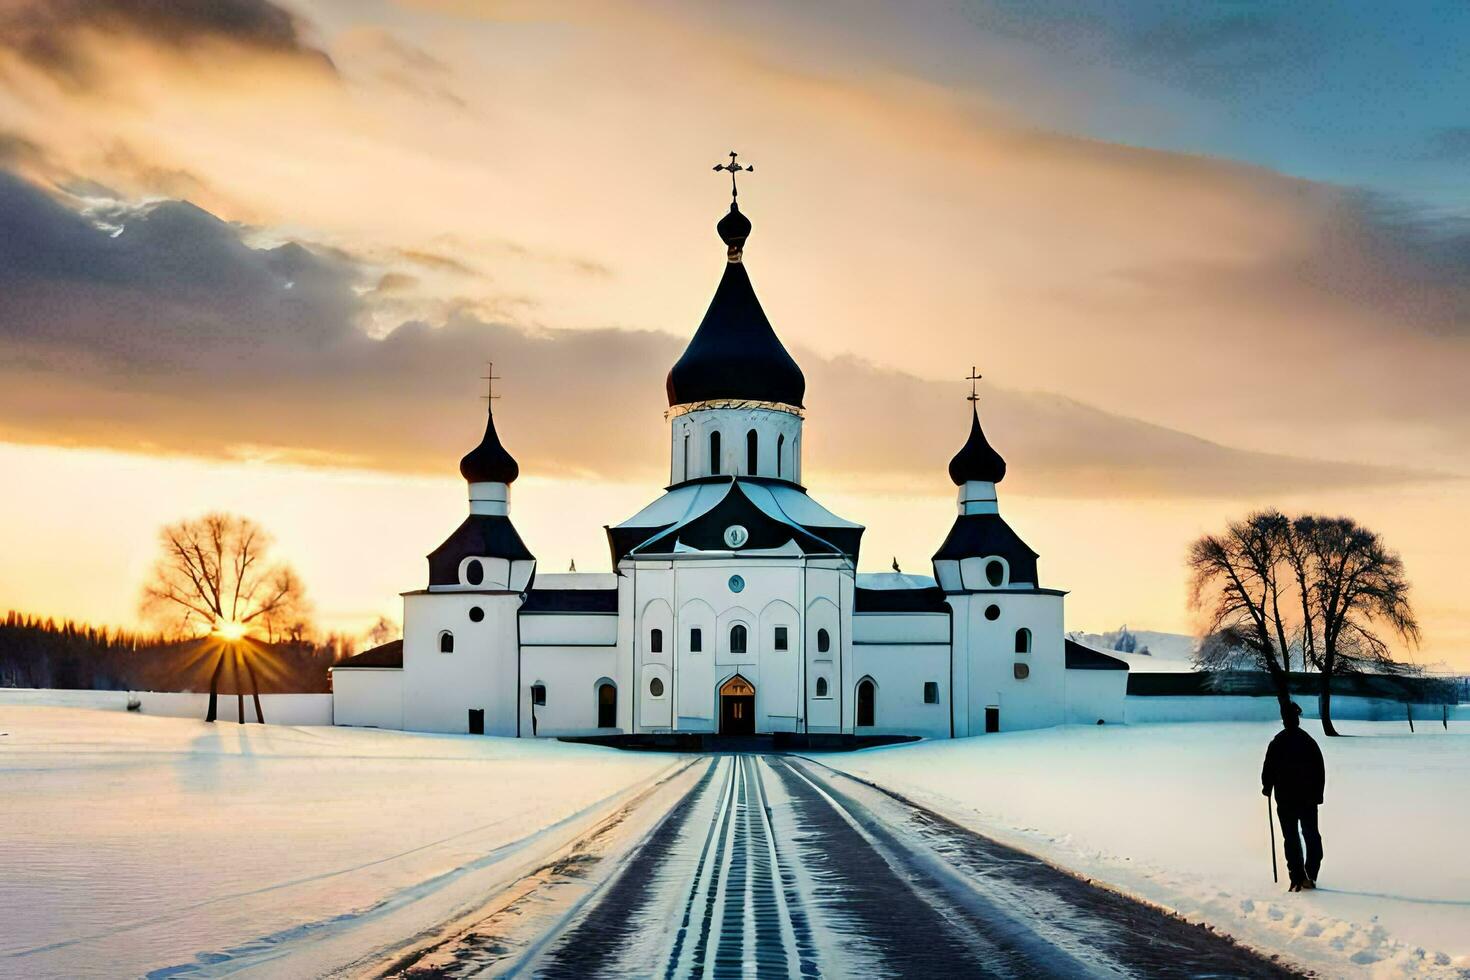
(821, 687)
(656, 687)
(995, 573)
(1023, 641)
(780, 452)
(538, 695)
(714, 453)
(686, 455)
(824, 641)
(607, 706)
(474, 571)
(752, 452)
(696, 640)
(446, 642)
(867, 696)
(737, 638)
(655, 641)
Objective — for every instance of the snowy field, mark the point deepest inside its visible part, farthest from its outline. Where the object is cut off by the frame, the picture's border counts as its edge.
(134, 845)
(1173, 814)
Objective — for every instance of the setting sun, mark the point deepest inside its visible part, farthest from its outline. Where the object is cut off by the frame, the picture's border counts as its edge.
(230, 630)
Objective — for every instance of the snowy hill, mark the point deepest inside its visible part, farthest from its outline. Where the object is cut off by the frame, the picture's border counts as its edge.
(1147, 651)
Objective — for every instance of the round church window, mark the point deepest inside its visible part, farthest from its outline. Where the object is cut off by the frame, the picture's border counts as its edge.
(992, 612)
(476, 614)
(474, 572)
(656, 687)
(995, 573)
(737, 584)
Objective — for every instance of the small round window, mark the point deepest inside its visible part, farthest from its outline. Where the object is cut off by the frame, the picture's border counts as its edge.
(992, 612)
(995, 572)
(474, 571)
(737, 584)
(476, 614)
(656, 687)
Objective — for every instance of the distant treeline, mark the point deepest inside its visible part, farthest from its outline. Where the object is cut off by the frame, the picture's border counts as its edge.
(37, 652)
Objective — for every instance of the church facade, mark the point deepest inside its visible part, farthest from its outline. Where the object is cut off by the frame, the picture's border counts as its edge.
(735, 605)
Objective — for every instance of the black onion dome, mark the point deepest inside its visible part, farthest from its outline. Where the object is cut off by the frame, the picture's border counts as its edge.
(489, 462)
(978, 460)
(735, 352)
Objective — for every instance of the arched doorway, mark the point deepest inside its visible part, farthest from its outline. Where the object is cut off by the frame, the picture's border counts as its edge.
(607, 705)
(867, 694)
(737, 707)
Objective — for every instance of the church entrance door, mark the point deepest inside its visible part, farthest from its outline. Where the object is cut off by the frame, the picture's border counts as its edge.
(737, 707)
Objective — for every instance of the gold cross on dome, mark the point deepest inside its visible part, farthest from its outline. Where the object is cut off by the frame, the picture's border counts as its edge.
(973, 377)
(734, 169)
(489, 377)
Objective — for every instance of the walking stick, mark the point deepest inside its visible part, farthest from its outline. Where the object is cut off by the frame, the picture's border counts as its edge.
(1271, 822)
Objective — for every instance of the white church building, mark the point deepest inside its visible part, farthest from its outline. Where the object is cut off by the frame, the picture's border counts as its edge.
(735, 605)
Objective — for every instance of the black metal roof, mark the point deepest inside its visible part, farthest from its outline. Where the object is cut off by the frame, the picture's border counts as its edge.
(735, 353)
(489, 462)
(571, 601)
(977, 459)
(900, 600)
(388, 655)
(480, 536)
(983, 535)
(1080, 657)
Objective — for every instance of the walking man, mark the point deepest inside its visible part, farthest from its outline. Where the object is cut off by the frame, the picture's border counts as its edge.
(1295, 771)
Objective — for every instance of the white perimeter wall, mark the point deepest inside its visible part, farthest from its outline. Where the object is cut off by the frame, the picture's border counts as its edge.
(368, 697)
(1094, 695)
(1146, 709)
(280, 709)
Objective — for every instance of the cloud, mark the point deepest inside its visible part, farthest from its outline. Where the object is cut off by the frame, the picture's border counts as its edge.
(54, 35)
(160, 328)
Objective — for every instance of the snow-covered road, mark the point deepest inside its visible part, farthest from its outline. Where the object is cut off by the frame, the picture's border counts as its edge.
(778, 866)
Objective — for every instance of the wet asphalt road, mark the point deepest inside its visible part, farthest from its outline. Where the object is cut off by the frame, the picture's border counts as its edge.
(774, 866)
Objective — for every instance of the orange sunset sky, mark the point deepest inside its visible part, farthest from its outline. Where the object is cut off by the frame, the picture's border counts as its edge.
(254, 255)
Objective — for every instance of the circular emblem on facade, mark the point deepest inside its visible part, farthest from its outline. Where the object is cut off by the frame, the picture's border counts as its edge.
(737, 584)
(735, 535)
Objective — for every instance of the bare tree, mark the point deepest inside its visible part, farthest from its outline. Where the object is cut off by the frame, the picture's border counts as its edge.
(383, 631)
(1239, 580)
(214, 576)
(1354, 586)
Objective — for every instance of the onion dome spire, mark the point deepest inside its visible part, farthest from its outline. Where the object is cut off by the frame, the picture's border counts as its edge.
(735, 353)
(977, 460)
(489, 462)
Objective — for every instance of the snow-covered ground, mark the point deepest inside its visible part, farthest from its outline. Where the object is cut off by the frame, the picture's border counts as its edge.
(132, 844)
(1173, 814)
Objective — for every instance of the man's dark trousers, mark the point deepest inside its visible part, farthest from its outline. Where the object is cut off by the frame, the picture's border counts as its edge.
(1306, 815)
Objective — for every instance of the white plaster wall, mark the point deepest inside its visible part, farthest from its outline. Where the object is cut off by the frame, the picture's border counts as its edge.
(1094, 695)
(570, 674)
(368, 697)
(1140, 709)
(440, 688)
(280, 709)
(733, 424)
(824, 714)
(569, 629)
(988, 656)
(900, 673)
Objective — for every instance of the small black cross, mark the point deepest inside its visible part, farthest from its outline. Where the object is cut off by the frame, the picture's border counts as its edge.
(973, 377)
(734, 169)
(490, 377)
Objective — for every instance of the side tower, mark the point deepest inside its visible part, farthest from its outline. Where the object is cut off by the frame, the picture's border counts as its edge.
(1009, 660)
(461, 651)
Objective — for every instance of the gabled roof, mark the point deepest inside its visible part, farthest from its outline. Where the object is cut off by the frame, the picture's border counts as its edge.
(1080, 657)
(695, 516)
(928, 599)
(571, 601)
(389, 655)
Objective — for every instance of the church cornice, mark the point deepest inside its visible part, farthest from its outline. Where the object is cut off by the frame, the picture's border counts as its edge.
(735, 404)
